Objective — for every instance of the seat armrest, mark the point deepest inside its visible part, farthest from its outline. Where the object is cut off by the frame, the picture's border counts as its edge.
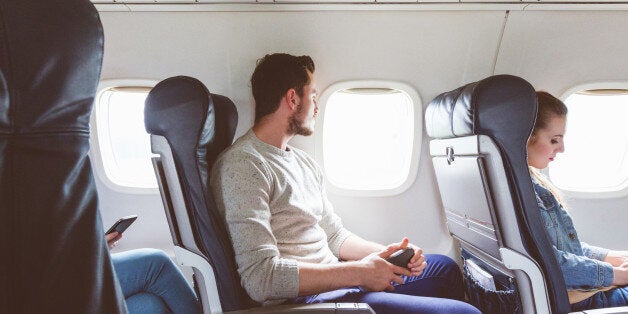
(212, 304)
(610, 310)
(318, 308)
(209, 292)
(514, 260)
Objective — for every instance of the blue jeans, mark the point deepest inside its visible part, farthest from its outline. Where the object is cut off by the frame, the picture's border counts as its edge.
(610, 298)
(152, 283)
(439, 289)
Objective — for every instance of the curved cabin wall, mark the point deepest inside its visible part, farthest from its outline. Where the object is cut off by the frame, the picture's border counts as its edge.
(432, 50)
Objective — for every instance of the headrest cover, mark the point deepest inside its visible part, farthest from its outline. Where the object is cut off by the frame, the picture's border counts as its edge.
(450, 114)
(50, 66)
(502, 103)
(175, 105)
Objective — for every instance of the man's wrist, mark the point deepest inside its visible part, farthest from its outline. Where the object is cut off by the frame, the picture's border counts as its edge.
(354, 272)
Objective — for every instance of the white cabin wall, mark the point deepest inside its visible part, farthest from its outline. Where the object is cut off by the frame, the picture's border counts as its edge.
(555, 51)
(433, 51)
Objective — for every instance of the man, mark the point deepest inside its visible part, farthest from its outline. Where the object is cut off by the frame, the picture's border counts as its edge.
(287, 239)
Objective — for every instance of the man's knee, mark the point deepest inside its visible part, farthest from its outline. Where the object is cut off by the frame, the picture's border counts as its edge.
(442, 262)
(444, 267)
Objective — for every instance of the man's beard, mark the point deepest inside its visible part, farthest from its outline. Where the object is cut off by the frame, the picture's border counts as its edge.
(295, 125)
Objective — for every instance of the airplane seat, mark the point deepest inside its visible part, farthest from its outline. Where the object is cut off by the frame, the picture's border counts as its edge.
(479, 151)
(189, 128)
(54, 255)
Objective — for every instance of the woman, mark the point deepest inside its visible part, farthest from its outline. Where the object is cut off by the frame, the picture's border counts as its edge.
(595, 277)
(151, 282)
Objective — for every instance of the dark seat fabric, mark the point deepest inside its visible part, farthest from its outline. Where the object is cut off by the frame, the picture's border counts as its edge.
(503, 107)
(55, 258)
(198, 126)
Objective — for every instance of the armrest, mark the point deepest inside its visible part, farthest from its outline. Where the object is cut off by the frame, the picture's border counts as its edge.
(318, 308)
(211, 301)
(623, 309)
(208, 290)
(514, 260)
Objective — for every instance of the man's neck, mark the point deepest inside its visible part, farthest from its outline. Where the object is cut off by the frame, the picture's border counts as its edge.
(271, 134)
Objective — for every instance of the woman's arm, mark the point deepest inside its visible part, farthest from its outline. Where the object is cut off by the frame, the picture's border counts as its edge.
(583, 272)
(594, 252)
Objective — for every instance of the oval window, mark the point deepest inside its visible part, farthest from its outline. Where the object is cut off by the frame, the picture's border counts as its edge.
(368, 144)
(596, 145)
(123, 146)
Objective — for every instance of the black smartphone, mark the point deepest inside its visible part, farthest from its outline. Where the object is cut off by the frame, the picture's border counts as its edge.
(401, 258)
(122, 224)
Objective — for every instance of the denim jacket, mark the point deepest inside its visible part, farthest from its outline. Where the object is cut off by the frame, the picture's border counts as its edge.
(582, 264)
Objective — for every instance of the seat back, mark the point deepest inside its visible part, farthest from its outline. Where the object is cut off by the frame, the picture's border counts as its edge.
(55, 258)
(479, 152)
(189, 128)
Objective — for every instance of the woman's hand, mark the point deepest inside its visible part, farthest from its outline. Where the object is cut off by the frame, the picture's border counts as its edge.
(112, 239)
(620, 275)
(616, 258)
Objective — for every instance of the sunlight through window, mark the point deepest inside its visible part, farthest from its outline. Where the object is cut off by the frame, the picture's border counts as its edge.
(122, 139)
(368, 138)
(596, 143)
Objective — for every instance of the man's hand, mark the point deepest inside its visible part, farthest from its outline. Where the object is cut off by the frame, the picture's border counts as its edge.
(380, 273)
(377, 274)
(620, 275)
(366, 266)
(112, 239)
(417, 262)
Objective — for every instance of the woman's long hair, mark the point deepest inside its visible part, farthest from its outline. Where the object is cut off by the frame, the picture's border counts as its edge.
(548, 107)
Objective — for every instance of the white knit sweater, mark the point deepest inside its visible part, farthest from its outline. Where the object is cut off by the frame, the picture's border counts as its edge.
(277, 213)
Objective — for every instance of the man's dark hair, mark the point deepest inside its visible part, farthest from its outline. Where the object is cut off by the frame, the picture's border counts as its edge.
(274, 75)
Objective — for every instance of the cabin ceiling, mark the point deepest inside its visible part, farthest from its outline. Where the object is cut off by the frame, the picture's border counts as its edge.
(196, 5)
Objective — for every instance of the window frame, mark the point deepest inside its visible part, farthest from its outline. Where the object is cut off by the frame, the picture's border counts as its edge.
(97, 134)
(417, 107)
(622, 190)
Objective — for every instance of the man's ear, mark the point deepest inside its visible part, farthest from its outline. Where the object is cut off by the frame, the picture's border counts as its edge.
(291, 98)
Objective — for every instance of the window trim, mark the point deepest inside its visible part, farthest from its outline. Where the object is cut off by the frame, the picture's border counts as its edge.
(417, 107)
(95, 150)
(622, 190)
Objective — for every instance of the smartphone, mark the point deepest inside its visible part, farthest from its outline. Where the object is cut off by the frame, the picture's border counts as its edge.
(122, 224)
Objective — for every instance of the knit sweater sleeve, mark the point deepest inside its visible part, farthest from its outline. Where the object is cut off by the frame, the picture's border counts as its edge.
(330, 221)
(242, 187)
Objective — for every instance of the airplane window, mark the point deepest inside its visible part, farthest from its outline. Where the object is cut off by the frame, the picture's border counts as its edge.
(123, 144)
(596, 145)
(368, 142)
